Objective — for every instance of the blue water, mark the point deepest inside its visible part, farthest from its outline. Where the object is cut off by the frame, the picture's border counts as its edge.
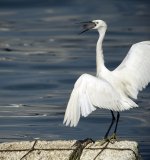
(42, 55)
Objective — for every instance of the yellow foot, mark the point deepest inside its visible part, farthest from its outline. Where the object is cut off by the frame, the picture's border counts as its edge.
(112, 139)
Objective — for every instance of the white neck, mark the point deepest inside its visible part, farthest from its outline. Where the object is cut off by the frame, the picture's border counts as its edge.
(99, 51)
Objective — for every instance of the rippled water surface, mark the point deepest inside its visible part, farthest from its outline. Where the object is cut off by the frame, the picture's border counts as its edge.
(42, 55)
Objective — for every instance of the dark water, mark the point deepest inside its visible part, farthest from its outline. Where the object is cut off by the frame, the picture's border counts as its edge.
(41, 56)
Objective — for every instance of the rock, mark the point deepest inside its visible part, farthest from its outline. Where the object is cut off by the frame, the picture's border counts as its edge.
(61, 150)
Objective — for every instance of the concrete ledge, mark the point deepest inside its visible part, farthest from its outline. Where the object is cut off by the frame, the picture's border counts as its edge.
(61, 150)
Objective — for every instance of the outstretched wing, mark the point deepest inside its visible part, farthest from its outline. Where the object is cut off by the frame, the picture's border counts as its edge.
(134, 71)
(90, 91)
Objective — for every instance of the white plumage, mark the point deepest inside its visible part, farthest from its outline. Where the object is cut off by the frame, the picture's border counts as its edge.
(134, 71)
(110, 90)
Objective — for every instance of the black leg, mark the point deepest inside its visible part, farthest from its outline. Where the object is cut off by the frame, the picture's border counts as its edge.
(118, 116)
(112, 122)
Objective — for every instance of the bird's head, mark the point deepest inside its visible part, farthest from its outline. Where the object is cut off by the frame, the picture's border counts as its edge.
(95, 24)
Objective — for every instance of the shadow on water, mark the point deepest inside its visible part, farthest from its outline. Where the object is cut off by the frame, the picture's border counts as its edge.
(42, 55)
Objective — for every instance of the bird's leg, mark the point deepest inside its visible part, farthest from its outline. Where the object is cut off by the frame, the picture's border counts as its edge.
(113, 138)
(114, 134)
(112, 122)
(106, 138)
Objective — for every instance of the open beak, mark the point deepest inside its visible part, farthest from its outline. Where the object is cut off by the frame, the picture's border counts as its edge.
(87, 26)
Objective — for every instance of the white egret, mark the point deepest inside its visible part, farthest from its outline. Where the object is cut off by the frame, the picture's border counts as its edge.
(112, 90)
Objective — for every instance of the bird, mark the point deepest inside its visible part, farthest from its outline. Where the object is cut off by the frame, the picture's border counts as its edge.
(114, 90)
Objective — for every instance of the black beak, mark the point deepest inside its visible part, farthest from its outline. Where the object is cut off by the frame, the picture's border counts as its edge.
(87, 26)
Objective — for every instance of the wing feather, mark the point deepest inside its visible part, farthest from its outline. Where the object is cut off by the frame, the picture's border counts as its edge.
(90, 92)
(134, 71)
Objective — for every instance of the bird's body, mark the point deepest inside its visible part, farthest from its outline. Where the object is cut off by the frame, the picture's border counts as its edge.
(113, 90)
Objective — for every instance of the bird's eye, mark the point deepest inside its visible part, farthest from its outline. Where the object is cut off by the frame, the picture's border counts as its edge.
(96, 22)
